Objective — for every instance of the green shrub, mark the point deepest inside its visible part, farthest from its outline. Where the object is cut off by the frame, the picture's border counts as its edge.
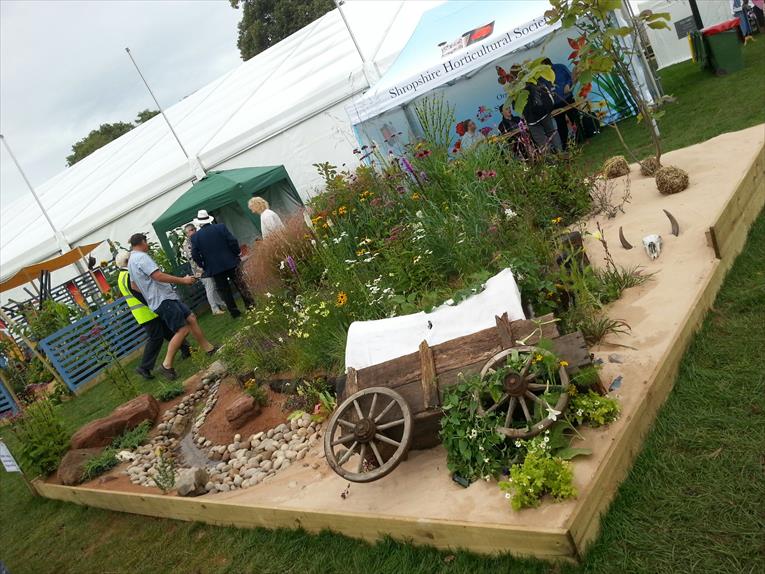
(41, 437)
(593, 409)
(99, 464)
(169, 392)
(132, 439)
(539, 474)
(257, 392)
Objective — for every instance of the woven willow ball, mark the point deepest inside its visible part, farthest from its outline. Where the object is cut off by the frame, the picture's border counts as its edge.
(615, 166)
(671, 179)
(649, 166)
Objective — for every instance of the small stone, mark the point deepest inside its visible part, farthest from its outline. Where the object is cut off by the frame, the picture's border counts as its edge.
(232, 447)
(269, 445)
(257, 436)
(226, 456)
(615, 358)
(294, 424)
(290, 455)
(238, 480)
(270, 433)
(301, 454)
(282, 428)
(278, 464)
(285, 464)
(222, 487)
(266, 465)
(237, 437)
(284, 447)
(278, 437)
(315, 465)
(288, 435)
(237, 464)
(241, 453)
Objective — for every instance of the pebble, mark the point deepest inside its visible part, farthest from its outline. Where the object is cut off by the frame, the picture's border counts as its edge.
(237, 438)
(238, 480)
(301, 454)
(315, 465)
(290, 455)
(270, 433)
(615, 358)
(266, 465)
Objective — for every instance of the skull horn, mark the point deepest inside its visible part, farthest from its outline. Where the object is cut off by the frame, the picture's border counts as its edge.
(673, 221)
(624, 242)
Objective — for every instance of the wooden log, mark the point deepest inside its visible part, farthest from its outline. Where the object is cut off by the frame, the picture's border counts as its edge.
(430, 395)
(505, 332)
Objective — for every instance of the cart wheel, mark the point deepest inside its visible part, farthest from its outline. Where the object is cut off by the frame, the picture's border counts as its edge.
(368, 435)
(520, 392)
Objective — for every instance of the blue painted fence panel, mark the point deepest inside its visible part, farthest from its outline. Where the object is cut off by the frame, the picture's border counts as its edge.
(80, 351)
(7, 405)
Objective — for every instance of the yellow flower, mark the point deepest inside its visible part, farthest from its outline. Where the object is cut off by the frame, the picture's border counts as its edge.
(564, 363)
(342, 210)
(342, 299)
(572, 390)
(597, 235)
(557, 220)
(415, 196)
(360, 252)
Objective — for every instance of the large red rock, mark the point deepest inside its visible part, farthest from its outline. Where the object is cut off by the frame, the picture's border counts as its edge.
(72, 466)
(101, 432)
(241, 410)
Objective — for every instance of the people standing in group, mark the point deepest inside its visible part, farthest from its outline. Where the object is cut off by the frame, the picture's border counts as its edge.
(213, 298)
(156, 287)
(270, 222)
(155, 329)
(471, 135)
(739, 8)
(215, 249)
(564, 99)
(538, 113)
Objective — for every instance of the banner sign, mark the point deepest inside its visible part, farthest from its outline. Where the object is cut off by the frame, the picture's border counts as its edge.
(9, 463)
(475, 55)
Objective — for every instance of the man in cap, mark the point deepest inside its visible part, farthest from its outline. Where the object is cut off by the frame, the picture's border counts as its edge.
(216, 250)
(156, 330)
(156, 287)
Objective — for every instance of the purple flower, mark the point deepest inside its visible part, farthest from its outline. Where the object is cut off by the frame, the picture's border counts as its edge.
(291, 264)
(407, 165)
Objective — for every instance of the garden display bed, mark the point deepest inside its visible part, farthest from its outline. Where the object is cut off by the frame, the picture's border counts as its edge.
(419, 502)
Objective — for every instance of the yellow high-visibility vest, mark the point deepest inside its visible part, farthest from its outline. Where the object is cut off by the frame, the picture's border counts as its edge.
(141, 312)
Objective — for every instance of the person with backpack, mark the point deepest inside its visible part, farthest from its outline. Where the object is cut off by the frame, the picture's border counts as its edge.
(538, 113)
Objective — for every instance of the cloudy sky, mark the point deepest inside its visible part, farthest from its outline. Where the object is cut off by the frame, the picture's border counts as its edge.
(64, 70)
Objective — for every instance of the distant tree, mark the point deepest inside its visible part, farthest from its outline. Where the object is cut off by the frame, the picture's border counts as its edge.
(145, 115)
(266, 22)
(103, 135)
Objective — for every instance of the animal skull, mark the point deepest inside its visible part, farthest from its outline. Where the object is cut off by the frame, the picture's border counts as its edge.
(652, 244)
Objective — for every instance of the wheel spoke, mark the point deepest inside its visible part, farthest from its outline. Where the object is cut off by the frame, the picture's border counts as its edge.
(347, 454)
(346, 424)
(542, 387)
(510, 410)
(525, 408)
(496, 405)
(390, 424)
(362, 454)
(536, 399)
(385, 411)
(372, 408)
(343, 439)
(358, 409)
(385, 439)
(377, 453)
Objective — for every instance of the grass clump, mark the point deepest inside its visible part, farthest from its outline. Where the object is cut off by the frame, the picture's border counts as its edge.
(99, 464)
(132, 439)
(168, 392)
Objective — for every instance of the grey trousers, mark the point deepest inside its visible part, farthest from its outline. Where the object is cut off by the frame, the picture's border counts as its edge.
(545, 134)
(215, 300)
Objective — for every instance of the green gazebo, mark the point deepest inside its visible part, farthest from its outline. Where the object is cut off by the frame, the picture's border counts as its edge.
(225, 194)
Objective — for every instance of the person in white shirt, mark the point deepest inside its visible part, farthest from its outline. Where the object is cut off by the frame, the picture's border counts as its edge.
(472, 135)
(270, 222)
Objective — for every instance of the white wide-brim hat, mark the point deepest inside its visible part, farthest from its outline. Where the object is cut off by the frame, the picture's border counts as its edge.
(203, 218)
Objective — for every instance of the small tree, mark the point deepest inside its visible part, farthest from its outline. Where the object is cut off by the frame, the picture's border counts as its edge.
(599, 50)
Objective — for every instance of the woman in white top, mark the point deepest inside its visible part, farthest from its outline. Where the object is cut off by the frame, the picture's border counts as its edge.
(472, 135)
(269, 220)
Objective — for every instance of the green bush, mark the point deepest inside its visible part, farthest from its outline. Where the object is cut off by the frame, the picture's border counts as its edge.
(593, 409)
(539, 474)
(169, 392)
(132, 439)
(257, 392)
(99, 464)
(41, 437)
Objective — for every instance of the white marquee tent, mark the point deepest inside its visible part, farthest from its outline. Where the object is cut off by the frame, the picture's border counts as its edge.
(282, 107)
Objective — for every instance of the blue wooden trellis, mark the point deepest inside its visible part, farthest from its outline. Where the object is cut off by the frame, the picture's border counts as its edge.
(7, 404)
(80, 351)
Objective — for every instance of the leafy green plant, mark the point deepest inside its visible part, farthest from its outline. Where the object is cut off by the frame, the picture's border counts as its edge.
(594, 324)
(324, 406)
(165, 477)
(538, 475)
(257, 392)
(133, 438)
(168, 392)
(41, 437)
(99, 464)
(593, 409)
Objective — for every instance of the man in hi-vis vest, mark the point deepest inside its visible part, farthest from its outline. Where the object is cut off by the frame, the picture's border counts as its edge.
(156, 330)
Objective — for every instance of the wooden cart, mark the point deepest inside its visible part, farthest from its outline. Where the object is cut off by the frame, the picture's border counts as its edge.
(388, 408)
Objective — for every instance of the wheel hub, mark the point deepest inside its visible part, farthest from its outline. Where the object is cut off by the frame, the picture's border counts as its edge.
(515, 385)
(365, 429)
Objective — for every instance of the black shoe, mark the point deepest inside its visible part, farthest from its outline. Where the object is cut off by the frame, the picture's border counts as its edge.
(145, 373)
(185, 352)
(214, 350)
(169, 374)
(236, 314)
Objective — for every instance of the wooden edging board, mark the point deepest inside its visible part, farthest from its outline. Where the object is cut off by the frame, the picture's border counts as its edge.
(566, 543)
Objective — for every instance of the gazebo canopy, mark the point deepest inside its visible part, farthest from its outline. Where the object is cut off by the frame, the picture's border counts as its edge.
(226, 193)
(30, 272)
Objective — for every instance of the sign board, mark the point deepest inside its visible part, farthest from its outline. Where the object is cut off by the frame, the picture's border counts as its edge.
(685, 26)
(7, 459)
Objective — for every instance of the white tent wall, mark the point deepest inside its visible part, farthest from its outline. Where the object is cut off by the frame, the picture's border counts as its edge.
(282, 107)
(667, 46)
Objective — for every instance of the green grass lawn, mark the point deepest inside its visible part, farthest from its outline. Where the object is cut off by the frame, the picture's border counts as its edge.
(693, 502)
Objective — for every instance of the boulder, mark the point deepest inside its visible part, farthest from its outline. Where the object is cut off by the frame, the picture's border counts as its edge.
(101, 432)
(241, 410)
(72, 466)
(192, 481)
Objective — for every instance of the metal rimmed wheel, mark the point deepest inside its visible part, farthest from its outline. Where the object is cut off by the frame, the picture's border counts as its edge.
(368, 435)
(520, 393)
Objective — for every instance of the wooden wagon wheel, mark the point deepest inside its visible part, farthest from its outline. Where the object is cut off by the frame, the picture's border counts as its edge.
(376, 425)
(520, 391)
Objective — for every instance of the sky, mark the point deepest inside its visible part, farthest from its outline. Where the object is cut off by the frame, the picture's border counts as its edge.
(64, 70)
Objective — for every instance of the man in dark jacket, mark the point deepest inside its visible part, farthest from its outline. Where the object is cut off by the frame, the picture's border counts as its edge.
(538, 113)
(216, 250)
